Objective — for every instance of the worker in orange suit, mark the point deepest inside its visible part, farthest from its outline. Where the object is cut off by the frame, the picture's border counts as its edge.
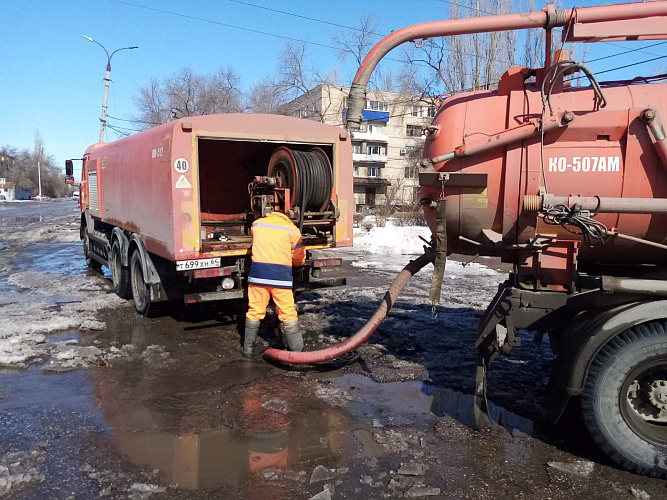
(277, 247)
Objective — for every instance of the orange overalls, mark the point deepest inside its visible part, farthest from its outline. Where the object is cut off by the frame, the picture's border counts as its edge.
(276, 248)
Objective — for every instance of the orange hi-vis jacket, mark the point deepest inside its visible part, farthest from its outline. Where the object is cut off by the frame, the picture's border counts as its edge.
(276, 247)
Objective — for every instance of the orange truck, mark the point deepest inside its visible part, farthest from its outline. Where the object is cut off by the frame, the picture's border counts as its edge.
(169, 210)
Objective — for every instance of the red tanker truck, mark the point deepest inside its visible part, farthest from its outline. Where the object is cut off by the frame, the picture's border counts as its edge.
(169, 210)
(569, 184)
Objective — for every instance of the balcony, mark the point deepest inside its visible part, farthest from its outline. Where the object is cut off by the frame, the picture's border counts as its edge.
(370, 136)
(369, 158)
(371, 115)
(371, 182)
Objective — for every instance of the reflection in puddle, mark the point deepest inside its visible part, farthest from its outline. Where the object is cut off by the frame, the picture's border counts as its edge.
(396, 401)
(213, 431)
(219, 457)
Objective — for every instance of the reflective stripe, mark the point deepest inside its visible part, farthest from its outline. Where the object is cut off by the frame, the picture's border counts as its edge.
(298, 245)
(272, 226)
(265, 282)
(269, 271)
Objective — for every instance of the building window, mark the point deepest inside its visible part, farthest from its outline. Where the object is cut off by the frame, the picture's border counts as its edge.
(356, 171)
(375, 150)
(377, 105)
(371, 128)
(411, 172)
(373, 171)
(431, 111)
(413, 130)
(356, 148)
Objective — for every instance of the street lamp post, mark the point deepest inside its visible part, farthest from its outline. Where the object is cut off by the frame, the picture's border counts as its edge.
(103, 119)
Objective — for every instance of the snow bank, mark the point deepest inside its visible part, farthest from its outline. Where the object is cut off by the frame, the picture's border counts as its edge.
(37, 302)
(392, 240)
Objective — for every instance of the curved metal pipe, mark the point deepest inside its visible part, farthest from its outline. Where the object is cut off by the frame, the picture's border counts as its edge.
(506, 22)
(366, 331)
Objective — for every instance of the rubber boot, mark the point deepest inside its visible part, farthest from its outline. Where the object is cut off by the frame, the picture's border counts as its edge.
(251, 329)
(292, 335)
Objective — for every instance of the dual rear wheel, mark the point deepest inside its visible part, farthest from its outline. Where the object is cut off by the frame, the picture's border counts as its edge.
(129, 282)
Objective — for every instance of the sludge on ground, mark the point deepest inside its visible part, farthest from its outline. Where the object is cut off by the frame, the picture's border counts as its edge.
(173, 411)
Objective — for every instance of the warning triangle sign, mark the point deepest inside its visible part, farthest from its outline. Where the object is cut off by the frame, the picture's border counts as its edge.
(182, 183)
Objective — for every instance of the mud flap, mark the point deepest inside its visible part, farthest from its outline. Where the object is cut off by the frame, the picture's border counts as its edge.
(440, 241)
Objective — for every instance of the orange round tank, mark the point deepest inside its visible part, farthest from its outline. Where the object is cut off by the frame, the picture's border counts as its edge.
(606, 152)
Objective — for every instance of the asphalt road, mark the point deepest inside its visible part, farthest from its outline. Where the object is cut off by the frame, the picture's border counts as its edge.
(167, 408)
(33, 211)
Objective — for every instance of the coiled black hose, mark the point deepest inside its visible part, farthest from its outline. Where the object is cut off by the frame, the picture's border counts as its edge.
(314, 183)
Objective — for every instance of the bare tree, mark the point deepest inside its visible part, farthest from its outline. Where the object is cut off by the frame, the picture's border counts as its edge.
(359, 41)
(264, 97)
(20, 168)
(188, 93)
(466, 62)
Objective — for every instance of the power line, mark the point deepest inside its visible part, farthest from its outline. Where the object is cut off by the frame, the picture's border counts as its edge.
(124, 128)
(134, 121)
(467, 7)
(641, 49)
(630, 65)
(637, 50)
(267, 33)
(226, 25)
(304, 17)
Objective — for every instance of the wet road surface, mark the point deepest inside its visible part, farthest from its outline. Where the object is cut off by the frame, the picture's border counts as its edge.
(172, 410)
(24, 212)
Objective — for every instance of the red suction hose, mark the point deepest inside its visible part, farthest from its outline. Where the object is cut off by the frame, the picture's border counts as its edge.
(366, 331)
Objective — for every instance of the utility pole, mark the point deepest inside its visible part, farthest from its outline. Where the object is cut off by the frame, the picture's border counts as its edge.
(39, 179)
(103, 118)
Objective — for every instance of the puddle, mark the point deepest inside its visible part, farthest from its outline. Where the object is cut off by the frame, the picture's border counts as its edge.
(63, 336)
(203, 435)
(52, 258)
(216, 458)
(369, 447)
(398, 403)
(9, 294)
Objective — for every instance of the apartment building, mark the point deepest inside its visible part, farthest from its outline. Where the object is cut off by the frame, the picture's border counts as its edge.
(387, 147)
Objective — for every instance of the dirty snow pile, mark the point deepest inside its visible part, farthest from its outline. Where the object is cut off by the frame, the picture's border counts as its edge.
(37, 303)
(64, 229)
(117, 484)
(21, 469)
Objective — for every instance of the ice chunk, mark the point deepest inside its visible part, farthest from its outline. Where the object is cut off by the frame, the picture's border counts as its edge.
(581, 468)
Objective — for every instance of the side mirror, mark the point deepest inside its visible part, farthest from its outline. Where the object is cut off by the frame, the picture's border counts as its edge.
(69, 168)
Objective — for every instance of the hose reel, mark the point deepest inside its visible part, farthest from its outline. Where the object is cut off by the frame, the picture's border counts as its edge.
(308, 176)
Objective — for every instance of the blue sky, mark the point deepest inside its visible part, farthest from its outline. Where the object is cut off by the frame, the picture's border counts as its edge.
(52, 77)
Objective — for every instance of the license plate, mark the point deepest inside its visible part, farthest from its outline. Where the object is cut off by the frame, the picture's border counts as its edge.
(186, 265)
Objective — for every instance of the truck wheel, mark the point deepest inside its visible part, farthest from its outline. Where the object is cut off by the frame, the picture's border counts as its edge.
(120, 276)
(140, 290)
(624, 403)
(90, 262)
